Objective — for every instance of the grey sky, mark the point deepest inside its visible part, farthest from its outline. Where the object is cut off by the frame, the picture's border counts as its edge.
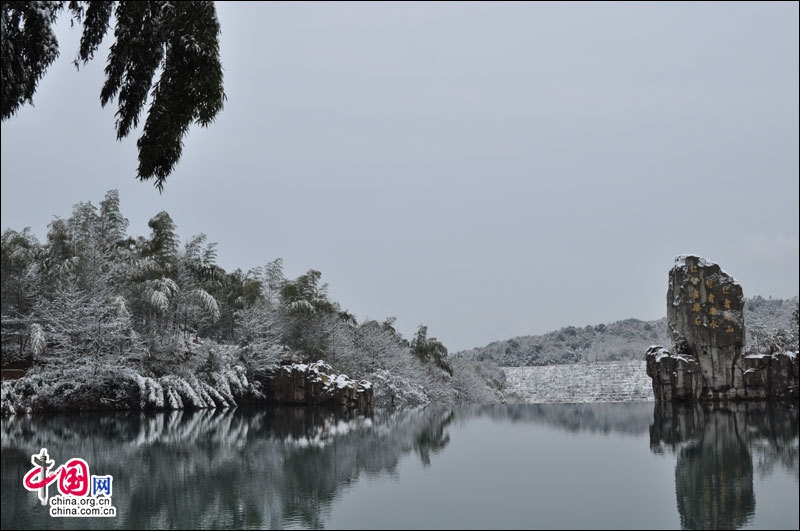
(490, 170)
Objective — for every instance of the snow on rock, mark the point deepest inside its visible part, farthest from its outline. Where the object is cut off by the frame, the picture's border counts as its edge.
(660, 353)
(705, 317)
(316, 384)
(680, 261)
(708, 322)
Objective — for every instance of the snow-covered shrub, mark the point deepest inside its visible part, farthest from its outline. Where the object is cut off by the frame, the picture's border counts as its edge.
(10, 402)
(390, 390)
(191, 395)
(151, 394)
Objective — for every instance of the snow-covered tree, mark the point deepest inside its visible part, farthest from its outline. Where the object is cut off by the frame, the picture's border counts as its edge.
(79, 325)
(259, 331)
(20, 288)
(304, 303)
(163, 243)
(197, 274)
(113, 225)
(92, 296)
(273, 280)
(430, 350)
(20, 272)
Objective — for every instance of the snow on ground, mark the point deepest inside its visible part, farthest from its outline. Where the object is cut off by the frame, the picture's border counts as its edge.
(618, 381)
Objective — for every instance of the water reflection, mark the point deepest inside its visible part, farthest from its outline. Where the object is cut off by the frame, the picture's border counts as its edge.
(715, 447)
(603, 418)
(432, 439)
(291, 467)
(216, 469)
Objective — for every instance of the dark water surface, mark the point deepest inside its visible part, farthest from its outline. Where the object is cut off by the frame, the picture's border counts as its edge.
(633, 466)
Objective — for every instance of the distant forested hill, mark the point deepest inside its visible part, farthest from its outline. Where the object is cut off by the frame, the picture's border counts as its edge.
(626, 339)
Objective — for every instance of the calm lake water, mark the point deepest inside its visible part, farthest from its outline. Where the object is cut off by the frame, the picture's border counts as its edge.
(634, 466)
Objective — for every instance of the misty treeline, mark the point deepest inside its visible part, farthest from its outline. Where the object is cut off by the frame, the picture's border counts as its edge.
(771, 326)
(93, 300)
(627, 339)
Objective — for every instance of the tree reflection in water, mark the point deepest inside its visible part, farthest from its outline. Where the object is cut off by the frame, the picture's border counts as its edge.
(216, 469)
(289, 467)
(715, 446)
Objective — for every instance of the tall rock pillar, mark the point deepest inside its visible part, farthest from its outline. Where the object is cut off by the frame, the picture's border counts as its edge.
(705, 316)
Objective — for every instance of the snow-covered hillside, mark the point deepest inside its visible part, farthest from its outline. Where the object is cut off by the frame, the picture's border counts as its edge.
(623, 340)
(618, 381)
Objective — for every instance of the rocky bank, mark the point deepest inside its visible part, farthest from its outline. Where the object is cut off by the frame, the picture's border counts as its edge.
(705, 318)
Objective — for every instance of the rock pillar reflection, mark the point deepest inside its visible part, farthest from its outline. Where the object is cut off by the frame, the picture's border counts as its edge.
(714, 469)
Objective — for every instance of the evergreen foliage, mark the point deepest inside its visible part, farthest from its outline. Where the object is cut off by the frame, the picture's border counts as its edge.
(179, 40)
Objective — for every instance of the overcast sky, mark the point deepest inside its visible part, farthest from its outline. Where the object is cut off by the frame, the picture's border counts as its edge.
(490, 170)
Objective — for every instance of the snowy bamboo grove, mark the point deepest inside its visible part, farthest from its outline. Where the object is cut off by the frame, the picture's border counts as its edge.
(97, 312)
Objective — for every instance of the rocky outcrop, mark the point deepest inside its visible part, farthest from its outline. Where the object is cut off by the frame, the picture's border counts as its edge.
(769, 375)
(315, 385)
(675, 377)
(112, 389)
(705, 318)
